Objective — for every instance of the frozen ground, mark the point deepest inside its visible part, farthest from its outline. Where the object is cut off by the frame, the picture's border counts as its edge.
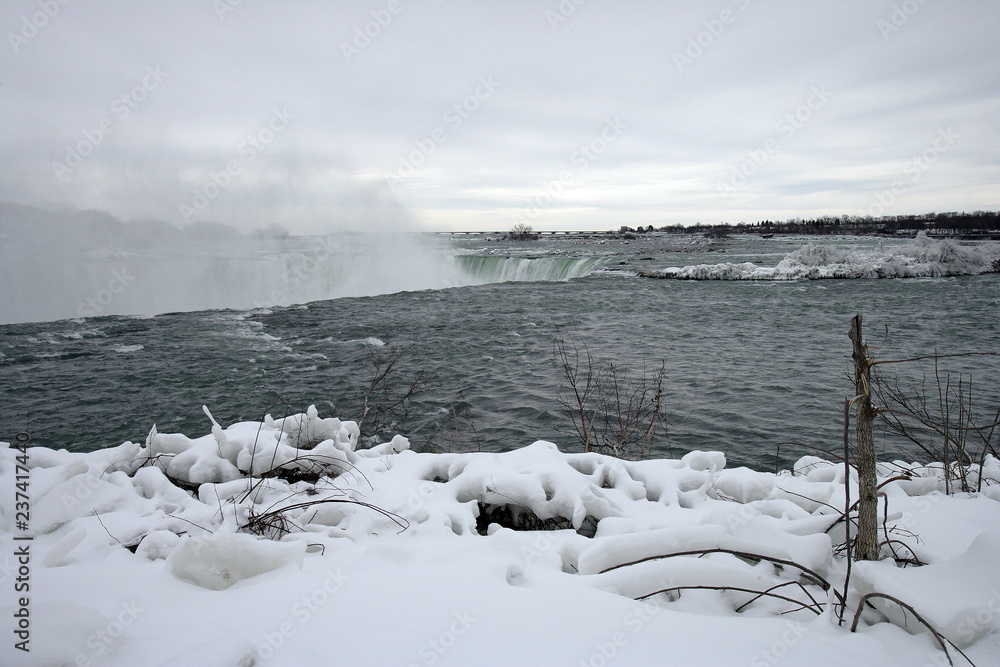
(282, 543)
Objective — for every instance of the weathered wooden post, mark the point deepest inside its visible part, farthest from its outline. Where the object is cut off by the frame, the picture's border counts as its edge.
(867, 542)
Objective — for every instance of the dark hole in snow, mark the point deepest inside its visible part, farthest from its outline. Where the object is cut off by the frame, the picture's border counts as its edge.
(192, 489)
(292, 475)
(519, 517)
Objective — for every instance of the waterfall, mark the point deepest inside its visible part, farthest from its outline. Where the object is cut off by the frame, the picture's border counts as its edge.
(493, 269)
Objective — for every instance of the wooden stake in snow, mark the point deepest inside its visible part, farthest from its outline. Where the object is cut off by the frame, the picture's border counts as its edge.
(867, 542)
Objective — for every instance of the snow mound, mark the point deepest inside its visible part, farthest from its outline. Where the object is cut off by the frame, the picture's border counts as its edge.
(922, 257)
(251, 448)
(219, 561)
(959, 597)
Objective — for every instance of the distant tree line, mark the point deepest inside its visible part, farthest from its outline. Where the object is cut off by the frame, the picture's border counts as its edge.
(974, 224)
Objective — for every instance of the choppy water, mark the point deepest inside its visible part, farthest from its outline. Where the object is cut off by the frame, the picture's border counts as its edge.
(749, 364)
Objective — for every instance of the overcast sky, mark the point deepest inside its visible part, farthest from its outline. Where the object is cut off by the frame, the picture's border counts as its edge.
(320, 116)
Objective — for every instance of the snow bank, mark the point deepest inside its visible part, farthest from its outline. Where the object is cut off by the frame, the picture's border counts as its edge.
(281, 542)
(960, 597)
(922, 257)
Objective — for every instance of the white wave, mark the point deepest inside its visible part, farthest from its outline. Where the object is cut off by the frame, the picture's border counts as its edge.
(922, 257)
(125, 349)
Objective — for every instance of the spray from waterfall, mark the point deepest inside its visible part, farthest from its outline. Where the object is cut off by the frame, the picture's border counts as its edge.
(65, 265)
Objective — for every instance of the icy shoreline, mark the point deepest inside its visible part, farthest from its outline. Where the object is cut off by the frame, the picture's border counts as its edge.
(921, 258)
(281, 542)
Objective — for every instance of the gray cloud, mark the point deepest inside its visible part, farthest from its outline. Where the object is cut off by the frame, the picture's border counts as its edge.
(183, 92)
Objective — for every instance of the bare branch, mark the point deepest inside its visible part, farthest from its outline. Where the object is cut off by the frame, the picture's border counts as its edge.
(940, 640)
(613, 411)
(935, 357)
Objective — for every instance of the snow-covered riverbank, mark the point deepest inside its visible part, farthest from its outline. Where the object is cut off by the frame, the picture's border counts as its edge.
(282, 543)
(921, 258)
